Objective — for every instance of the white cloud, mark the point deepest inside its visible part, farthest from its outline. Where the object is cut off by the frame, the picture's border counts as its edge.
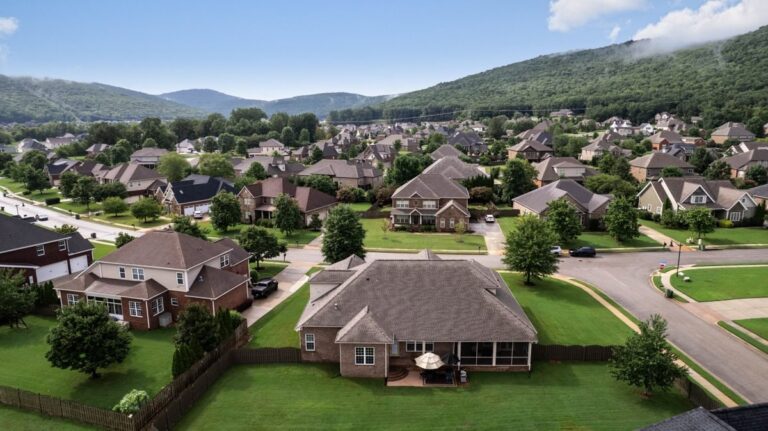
(565, 15)
(714, 20)
(614, 34)
(8, 25)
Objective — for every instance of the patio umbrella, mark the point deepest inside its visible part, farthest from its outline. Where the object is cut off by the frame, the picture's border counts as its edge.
(429, 361)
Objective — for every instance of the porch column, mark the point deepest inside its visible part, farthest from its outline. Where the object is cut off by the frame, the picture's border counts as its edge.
(530, 353)
(493, 361)
(458, 351)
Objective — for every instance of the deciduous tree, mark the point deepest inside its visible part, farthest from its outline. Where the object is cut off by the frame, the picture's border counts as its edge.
(287, 216)
(344, 235)
(173, 166)
(146, 208)
(260, 243)
(529, 248)
(700, 221)
(216, 165)
(15, 300)
(185, 225)
(225, 211)
(621, 220)
(564, 220)
(517, 179)
(114, 205)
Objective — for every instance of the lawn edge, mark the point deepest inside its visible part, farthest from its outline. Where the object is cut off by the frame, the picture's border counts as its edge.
(743, 336)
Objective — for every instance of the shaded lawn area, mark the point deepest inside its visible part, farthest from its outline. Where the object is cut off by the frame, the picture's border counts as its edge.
(300, 237)
(11, 185)
(22, 420)
(268, 269)
(128, 219)
(22, 353)
(555, 397)
(35, 196)
(732, 236)
(100, 249)
(378, 239)
(276, 328)
(758, 326)
(595, 239)
(78, 208)
(717, 284)
(359, 207)
(565, 314)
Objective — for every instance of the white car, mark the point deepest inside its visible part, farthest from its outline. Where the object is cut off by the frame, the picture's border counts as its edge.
(489, 218)
(197, 215)
(556, 250)
(41, 217)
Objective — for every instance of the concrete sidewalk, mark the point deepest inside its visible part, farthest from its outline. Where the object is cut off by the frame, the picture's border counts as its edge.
(661, 238)
(289, 281)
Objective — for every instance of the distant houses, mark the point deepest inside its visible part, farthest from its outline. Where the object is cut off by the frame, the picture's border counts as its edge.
(732, 131)
(589, 205)
(148, 157)
(649, 166)
(350, 173)
(257, 200)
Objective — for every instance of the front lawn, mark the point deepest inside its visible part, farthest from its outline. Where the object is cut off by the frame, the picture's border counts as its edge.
(23, 420)
(78, 208)
(718, 284)
(757, 326)
(375, 238)
(571, 396)
(269, 269)
(101, 249)
(22, 353)
(732, 236)
(129, 220)
(564, 314)
(359, 207)
(298, 238)
(596, 239)
(11, 185)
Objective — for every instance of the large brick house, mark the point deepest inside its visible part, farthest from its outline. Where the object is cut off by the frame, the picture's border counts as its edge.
(41, 254)
(552, 169)
(589, 206)
(649, 166)
(150, 280)
(257, 200)
(528, 149)
(193, 193)
(732, 130)
(350, 173)
(370, 317)
(431, 200)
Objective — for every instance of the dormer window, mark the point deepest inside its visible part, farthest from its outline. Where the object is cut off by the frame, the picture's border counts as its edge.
(224, 261)
(698, 199)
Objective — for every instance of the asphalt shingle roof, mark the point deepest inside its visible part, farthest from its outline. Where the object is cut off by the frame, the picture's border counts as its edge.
(538, 200)
(166, 249)
(454, 168)
(432, 186)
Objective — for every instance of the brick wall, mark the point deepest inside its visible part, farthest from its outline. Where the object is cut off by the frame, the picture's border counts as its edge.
(234, 298)
(326, 349)
(347, 361)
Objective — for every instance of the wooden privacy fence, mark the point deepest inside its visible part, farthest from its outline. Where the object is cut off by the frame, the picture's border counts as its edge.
(284, 355)
(696, 394)
(558, 352)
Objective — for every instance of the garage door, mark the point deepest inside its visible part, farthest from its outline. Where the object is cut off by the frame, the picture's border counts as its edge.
(78, 263)
(52, 271)
(203, 208)
(188, 211)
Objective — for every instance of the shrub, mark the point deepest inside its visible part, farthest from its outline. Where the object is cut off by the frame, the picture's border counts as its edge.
(726, 224)
(264, 222)
(44, 294)
(131, 402)
(656, 218)
(52, 201)
(644, 215)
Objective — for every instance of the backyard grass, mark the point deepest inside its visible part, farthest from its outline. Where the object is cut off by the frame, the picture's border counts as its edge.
(22, 420)
(375, 238)
(732, 236)
(573, 396)
(744, 337)
(276, 328)
(269, 269)
(717, 284)
(101, 249)
(300, 237)
(565, 314)
(600, 240)
(22, 353)
(757, 326)
(359, 207)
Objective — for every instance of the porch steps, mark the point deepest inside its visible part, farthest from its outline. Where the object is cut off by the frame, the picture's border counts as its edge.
(397, 373)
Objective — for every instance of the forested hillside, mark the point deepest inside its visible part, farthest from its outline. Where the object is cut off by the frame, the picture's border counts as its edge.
(721, 81)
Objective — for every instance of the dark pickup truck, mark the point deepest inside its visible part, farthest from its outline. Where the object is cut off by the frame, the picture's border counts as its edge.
(263, 288)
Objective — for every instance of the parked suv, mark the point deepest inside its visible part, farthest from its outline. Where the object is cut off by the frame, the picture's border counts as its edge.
(582, 252)
(263, 288)
(556, 250)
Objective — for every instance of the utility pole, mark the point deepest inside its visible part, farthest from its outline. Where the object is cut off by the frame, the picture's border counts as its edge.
(679, 251)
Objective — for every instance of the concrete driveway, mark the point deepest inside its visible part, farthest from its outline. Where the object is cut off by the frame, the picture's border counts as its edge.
(289, 281)
(495, 241)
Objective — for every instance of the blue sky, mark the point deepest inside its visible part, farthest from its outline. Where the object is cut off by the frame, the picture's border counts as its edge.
(268, 50)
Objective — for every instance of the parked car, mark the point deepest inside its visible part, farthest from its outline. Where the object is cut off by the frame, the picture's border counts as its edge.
(264, 287)
(556, 250)
(197, 215)
(41, 217)
(489, 218)
(582, 252)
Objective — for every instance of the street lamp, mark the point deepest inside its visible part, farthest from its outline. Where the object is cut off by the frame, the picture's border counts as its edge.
(679, 251)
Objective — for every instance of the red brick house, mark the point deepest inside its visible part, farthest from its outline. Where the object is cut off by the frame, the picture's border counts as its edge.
(430, 200)
(150, 280)
(257, 200)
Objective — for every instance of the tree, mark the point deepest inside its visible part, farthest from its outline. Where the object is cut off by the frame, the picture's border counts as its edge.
(621, 219)
(114, 205)
(315, 223)
(668, 217)
(227, 142)
(111, 189)
(287, 215)
(564, 220)
(260, 243)
(35, 158)
(146, 208)
(321, 183)
(316, 155)
(123, 239)
(256, 171)
(460, 229)
(131, 402)
(646, 359)
(67, 182)
(216, 165)
(758, 174)
(610, 184)
(718, 170)
(84, 190)
(185, 225)
(210, 145)
(15, 300)
(701, 159)
(65, 229)
(671, 171)
(173, 166)
(196, 325)
(288, 137)
(529, 248)
(304, 136)
(495, 127)
(517, 179)
(344, 235)
(184, 357)
(35, 180)
(406, 167)
(700, 221)
(225, 211)
(149, 143)
(85, 339)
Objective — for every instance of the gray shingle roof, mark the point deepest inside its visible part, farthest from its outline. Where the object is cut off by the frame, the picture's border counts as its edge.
(214, 282)
(342, 169)
(538, 200)
(16, 233)
(166, 249)
(658, 160)
(698, 419)
(307, 198)
(363, 328)
(445, 150)
(741, 160)
(432, 186)
(454, 168)
(546, 170)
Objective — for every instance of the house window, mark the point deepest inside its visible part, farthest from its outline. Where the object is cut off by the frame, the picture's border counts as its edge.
(658, 210)
(40, 249)
(138, 273)
(735, 216)
(72, 299)
(401, 204)
(158, 306)
(309, 342)
(114, 306)
(121, 272)
(451, 223)
(477, 353)
(428, 220)
(402, 219)
(429, 204)
(180, 278)
(419, 346)
(698, 199)
(442, 223)
(62, 245)
(134, 308)
(364, 356)
(224, 260)
(511, 353)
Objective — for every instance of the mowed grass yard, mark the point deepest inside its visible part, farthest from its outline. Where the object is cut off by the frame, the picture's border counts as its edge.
(300, 237)
(718, 284)
(19, 189)
(600, 240)
(573, 396)
(376, 238)
(268, 269)
(732, 236)
(757, 326)
(22, 353)
(13, 419)
(101, 249)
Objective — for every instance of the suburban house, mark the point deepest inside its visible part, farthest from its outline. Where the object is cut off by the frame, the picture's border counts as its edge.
(533, 151)
(743, 147)
(649, 166)
(57, 168)
(96, 149)
(65, 139)
(741, 162)
(666, 121)
(469, 140)
(664, 138)
(192, 194)
(138, 179)
(542, 136)
(274, 166)
(590, 206)
(148, 157)
(681, 151)
(430, 200)
(373, 318)
(732, 130)
(759, 194)
(604, 143)
(455, 169)
(41, 254)
(150, 280)
(379, 155)
(329, 150)
(562, 113)
(351, 173)
(257, 200)
(268, 148)
(187, 146)
(445, 150)
(555, 168)
(406, 143)
(719, 196)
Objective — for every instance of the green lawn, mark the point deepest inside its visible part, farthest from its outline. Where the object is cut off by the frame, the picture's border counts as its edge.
(375, 238)
(78, 208)
(19, 188)
(11, 185)
(301, 237)
(595, 239)
(100, 249)
(565, 314)
(758, 326)
(129, 220)
(276, 328)
(737, 331)
(359, 207)
(572, 396)
(269, 269)
(22, 353)
(717, 284)
(23, 420)
(732, 236)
